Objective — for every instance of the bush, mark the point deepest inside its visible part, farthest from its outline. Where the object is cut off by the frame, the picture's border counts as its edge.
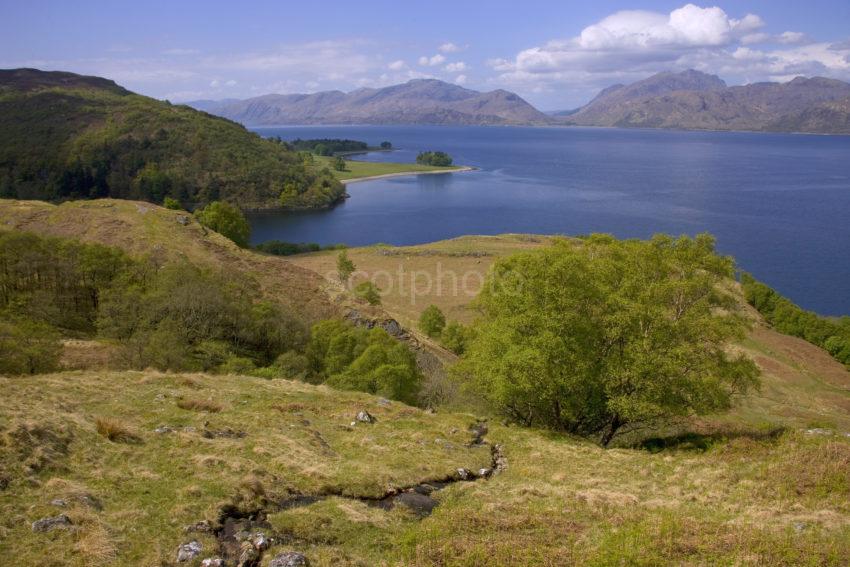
(339, 163)
(226, 220)
(371, 361)
(604, 336)
(369, 292)
(434, 158)
(172, 204)
(344, 266)
(455, 337)
(386, 145)
(28, 347)
(432, 321)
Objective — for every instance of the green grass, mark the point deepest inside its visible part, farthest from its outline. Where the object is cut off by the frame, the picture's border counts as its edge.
(749, 500)
(357, 169)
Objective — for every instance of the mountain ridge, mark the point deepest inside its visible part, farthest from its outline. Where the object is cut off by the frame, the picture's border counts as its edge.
(692, 100)
(418, 101)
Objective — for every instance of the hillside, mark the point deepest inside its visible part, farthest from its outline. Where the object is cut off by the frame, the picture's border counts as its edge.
(65, 136)
(694, 100)
(419, 101)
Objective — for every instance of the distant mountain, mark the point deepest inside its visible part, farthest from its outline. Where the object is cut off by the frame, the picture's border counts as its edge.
(420, 101)
(695, 100)
(66, 136)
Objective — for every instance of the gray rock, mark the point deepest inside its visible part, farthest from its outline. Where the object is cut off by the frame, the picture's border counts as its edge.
(260, 541)
(478, 429)
(188, 551)
(289, 559)
(203, 527)
(90, 501)
(58, 502)
(60, 522)
(485, 472)
(365, 417)
(464, 474)
(384, 402)
(182, 219)
(212, 562)
(162, 429)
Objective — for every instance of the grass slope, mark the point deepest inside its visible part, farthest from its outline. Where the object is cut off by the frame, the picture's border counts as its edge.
(749, 501)
(68, 136)
(802, 385)
(141, 228)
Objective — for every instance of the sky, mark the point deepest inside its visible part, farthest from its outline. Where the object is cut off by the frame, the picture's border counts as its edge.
(557, 54)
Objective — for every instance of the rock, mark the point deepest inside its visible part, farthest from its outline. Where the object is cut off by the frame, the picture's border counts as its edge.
(819, 431)
(384, 402)
(485, 472)
(289, 559)
(260, 541)
(188, 551)
(162, 429)
(392, 327)
(203, 527)
(365, 417)
(226, 433)
(58, 502)
(182, 219)
(464, 474)
(212, 562)
(90, 501)
(60, 522)
(479, 429)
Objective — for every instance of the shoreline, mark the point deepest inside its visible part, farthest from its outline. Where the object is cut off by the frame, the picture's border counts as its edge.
(404, 173)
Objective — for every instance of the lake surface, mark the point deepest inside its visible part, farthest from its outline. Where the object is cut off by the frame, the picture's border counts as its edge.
(779, 203)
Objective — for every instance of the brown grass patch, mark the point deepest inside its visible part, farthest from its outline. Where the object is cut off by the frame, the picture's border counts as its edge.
(115, 431)
(208, 406)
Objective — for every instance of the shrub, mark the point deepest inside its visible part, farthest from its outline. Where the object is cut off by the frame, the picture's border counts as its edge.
(607, 335)
(115, 431)
(344, 266)
(432, 321)
(455, 337)
(369, 292)
(339, 163)
(226, 220)
(237, 365)
(172, 204)
(28, 347)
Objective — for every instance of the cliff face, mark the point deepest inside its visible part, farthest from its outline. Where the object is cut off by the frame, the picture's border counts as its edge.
(421, 101)
(694, 100)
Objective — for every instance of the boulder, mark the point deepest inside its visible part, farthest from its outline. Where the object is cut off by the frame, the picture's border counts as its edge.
(188, 551)
(364, 417)
(212, 562)
(60, 522)
(289, 559)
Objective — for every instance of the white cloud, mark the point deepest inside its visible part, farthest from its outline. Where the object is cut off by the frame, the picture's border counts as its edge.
(396, 65)
(448, 47)
(633, 44)
(456, 67)
(431, 61)
(460, 79)
(791, 37)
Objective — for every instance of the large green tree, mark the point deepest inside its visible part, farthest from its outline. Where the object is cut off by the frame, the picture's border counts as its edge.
(226, 220)
(600, 336)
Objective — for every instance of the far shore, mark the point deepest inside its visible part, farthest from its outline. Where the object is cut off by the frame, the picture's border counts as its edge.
(404, 173)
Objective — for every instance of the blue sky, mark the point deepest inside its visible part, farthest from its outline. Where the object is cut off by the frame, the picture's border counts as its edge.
(556, 54)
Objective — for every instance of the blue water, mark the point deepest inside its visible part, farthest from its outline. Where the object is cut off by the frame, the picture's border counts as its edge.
(779, 203)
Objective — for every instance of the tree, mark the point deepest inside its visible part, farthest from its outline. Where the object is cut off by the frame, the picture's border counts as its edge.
(173, 204)
(339, 163)
(605, 336)
(455, 337)
(386, 145)
(226, 220)
(369, 292)
(434, 158)
(432, 321)
(344, 266)
(28, 347)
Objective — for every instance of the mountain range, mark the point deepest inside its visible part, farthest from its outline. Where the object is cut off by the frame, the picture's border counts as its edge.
(419, 101)
(692, 100)
(689, 100)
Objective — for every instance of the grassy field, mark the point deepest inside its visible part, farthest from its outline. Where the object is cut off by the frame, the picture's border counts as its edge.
(85, 444)
(358, 169)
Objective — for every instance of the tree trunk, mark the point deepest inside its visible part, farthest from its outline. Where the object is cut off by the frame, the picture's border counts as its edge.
(612, 429)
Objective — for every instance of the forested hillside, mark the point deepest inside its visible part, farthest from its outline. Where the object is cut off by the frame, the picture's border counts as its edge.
(65, 136)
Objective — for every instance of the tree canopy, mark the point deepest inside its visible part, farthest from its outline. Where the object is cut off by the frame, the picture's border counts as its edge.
(601, 336)
(226, 220)
(434, 158)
